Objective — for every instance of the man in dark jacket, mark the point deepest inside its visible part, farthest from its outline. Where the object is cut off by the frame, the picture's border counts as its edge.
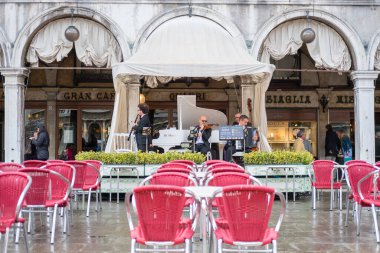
(202, 134)
(332, 144)
(142, 140)
(41, 141)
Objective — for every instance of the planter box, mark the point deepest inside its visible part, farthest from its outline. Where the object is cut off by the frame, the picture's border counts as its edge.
(275, 176)
(127, 178)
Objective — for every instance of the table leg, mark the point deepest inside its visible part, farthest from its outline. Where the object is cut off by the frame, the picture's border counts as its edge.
(204, 228)
(111, 184)
(294, 186)
(117, 184)
(286, 184)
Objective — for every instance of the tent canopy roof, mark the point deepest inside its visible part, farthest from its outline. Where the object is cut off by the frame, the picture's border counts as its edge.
(191, 47)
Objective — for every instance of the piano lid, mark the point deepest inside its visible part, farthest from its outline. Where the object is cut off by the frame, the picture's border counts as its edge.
(189, 113)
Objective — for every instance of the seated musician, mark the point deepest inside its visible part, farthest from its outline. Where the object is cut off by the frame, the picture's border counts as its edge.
(246, 145)
(202, 134)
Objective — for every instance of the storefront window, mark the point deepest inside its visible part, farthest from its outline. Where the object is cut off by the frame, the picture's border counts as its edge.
(32, 118)
(67, 131)
(96, 124)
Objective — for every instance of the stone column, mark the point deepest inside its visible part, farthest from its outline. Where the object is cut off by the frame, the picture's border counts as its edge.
(233, 106)
(364, 107)
(133, 100)
(51, 119)
(323, 120)
(14, 125)
(247, 92)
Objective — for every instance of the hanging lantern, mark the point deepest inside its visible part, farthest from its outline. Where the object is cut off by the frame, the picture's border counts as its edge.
(72, 33)
(142, 98)
(307, 35)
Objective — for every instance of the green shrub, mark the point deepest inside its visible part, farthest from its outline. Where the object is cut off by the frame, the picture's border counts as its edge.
(278, 157)
(139, 157)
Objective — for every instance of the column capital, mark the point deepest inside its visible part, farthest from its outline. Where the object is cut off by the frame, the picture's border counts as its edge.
(366, 75)
(13, 72)
(51, 93)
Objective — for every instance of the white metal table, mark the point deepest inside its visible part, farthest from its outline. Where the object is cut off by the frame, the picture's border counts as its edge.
(202, 193)
(286, 169)
(115, 168)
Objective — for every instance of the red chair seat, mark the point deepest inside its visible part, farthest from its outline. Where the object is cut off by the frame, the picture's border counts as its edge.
(318, 185)
(51, 203)
(224, 234)
(184, 232)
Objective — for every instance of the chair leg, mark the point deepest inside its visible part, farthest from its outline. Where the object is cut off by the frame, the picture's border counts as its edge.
(100, 197)
(274, 247)
(88, 202)
(331, 199)
(25, 238)
(53, 224)
(375, 222)
(187, 246)
(347, 211)
(358, 216)
(6, 237)
(97, 200)
(133, 246)
(220, 245)
(340, 198)
(313, 196)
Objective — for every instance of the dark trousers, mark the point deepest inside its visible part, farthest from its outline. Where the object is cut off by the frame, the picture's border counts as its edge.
(201, 148)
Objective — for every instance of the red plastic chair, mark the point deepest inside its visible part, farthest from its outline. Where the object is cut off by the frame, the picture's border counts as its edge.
(38, 195)
(34, 163)
(208, 163)
(59, 189)
(13, 188)
(324, 180)
(223, 165)
(355, 161)
(248, 209)
(187, 162)
(160, 223)
(93, 183)
(367, 198)
(354, 173)
(170, 178)
(55, 161)
(176, 166)
(5, 167)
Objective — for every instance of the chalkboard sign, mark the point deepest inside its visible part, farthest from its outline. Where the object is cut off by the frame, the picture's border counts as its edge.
(231, 133)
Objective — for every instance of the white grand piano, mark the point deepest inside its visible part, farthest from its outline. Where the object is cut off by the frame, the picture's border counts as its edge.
(188, 115)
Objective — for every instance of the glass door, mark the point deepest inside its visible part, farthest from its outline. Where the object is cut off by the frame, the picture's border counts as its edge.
(67, 133)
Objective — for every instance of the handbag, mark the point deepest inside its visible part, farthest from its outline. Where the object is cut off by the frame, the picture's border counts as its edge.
(28, 148)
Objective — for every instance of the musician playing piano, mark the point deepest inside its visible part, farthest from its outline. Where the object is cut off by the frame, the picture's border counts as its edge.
(143, 123)
(202, 134)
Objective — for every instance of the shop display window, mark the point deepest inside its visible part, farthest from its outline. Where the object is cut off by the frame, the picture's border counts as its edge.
(282, 134)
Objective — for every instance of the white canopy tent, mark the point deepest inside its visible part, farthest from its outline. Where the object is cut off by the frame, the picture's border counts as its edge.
(189, 47)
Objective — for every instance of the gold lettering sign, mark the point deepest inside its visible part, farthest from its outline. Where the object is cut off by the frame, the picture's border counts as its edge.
(87, 96)
(200, 96)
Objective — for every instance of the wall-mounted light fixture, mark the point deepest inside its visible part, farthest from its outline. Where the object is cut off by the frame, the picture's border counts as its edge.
(323, 101)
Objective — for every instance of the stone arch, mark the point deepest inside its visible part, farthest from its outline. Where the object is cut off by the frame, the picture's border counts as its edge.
(347, 32)
(184, 11)
(372, 49)
(4, 49)
(31, 28)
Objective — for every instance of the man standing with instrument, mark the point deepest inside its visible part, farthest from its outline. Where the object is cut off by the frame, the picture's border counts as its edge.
(202, 133)
(143, 140)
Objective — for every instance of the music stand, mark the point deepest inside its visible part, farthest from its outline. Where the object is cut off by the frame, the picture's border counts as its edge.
(232, 133)
(146, 131)
(193, 136)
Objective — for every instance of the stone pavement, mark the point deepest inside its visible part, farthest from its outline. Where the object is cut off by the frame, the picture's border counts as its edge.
(303, 230)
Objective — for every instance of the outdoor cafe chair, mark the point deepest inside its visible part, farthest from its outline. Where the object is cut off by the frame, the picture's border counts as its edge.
(187, 162)
(368, 198)
(177, 165)
(354, 173)
(40, 195)
(59, 188)
(13, 188)
(160, 223)
(248, 209)
(55, 161)
(93, 182)
(223, 165)
(79, 180)
(323, 179)
(34, 163)
(5, 167)
(208, 163)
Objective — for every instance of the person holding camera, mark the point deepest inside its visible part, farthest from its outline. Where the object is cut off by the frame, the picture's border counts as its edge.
(41, 141)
